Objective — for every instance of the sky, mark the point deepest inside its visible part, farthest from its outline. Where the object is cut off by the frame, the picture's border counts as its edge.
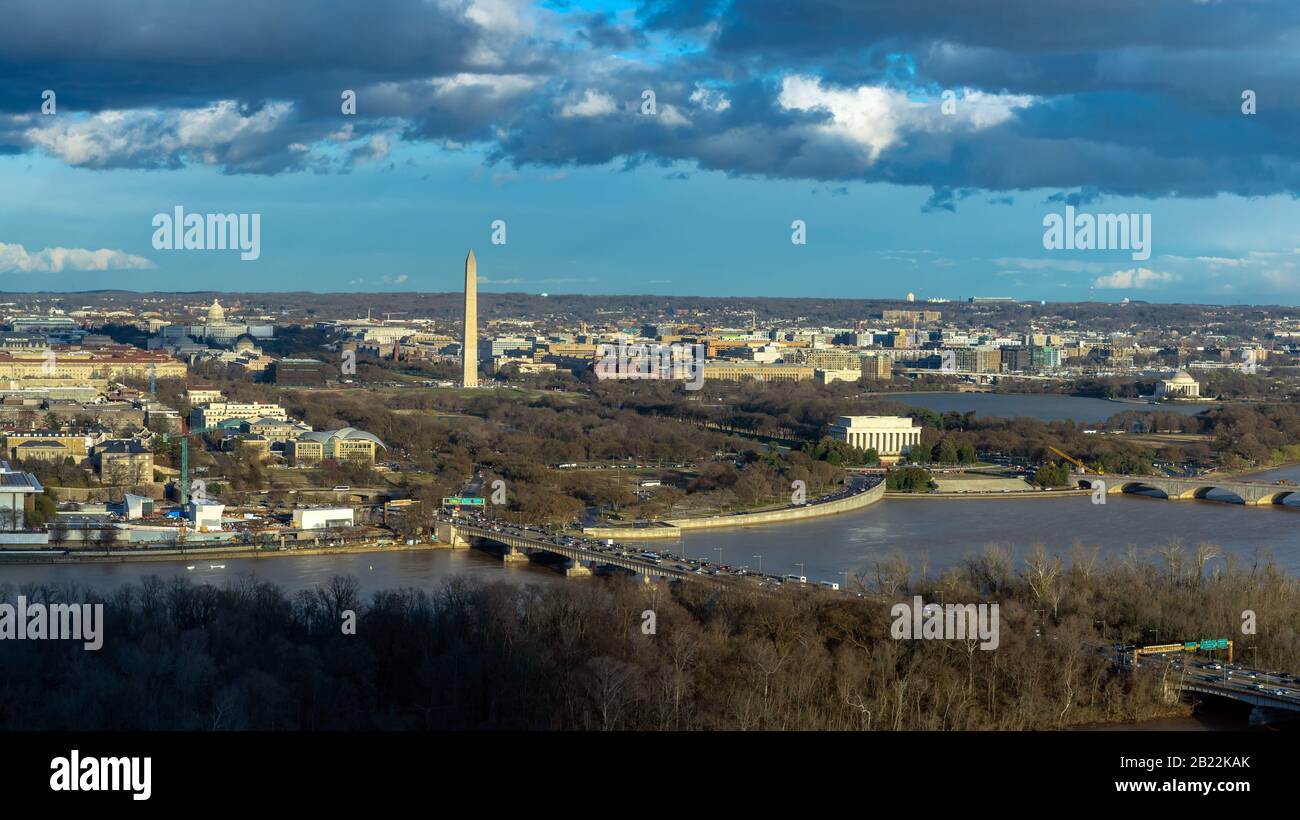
(661, 146)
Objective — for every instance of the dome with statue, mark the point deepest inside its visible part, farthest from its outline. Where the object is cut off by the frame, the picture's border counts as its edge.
(216, 313)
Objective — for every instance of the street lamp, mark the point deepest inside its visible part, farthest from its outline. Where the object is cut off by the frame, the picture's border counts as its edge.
(760, 563)
(801, 570)
(718, 550)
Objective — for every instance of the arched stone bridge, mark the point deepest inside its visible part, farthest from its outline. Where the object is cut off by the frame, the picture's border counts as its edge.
(1252, 493)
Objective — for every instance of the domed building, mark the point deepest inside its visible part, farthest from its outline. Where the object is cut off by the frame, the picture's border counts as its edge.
(344, 444)
(1181, 386)
(216, 329)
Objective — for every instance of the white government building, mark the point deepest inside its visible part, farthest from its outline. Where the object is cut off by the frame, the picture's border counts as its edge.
(215, 329)
(890, 436)
(1181, 386)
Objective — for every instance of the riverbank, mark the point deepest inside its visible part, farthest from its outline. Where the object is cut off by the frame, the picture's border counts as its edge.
(674, 527)
(207, 553)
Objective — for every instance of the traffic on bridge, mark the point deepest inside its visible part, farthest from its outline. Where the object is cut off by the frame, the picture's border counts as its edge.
(610, 552)
(1197, 673)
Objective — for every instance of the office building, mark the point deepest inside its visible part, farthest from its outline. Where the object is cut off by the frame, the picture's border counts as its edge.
(877, 366)
(123, 461)
(17, 489)
(758, 372)
(214, 413)
(845, 375)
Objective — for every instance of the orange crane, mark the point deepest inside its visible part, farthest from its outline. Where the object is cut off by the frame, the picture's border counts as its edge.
(1083, 468)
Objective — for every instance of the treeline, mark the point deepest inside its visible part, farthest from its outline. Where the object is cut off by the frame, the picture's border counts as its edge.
(1255, 434)
(471, 655)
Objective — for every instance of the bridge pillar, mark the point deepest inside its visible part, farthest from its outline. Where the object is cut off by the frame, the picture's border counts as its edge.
(573, 568)
(448, 535)
(514, 556)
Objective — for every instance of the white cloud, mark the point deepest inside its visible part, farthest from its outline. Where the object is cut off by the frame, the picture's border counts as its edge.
(1134, 278)
(710, 99)
(491, 86)
(876, 118)
(671, 117)
(150, 136)
(17, 259)
(592, 104)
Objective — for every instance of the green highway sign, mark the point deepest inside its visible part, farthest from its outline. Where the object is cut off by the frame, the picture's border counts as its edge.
(1223, 643)
(462, 502)
(1190, 646)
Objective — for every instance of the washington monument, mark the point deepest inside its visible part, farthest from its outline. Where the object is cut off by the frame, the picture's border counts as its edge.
(469, 352)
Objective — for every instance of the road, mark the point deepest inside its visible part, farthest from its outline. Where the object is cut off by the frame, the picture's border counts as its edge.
(1200, 673)
(652, 560)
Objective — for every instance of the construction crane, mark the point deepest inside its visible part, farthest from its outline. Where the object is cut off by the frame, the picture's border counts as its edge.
(185, 458)
(1083, 468)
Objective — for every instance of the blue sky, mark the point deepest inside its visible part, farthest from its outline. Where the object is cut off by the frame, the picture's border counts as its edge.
(470, 112)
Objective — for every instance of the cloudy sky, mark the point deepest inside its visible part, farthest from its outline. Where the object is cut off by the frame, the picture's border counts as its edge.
(920, 144)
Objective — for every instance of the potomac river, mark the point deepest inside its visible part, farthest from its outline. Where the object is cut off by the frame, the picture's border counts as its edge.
(942, 531)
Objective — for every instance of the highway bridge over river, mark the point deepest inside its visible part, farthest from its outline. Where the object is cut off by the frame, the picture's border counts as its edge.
(1252, 493)
(519, 544)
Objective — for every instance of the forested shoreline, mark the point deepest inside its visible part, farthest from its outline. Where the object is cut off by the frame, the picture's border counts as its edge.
(471, 655)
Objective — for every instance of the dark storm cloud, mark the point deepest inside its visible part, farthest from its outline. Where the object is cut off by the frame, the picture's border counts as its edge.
(818, 27)
(114, 54)
(1089, 99)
